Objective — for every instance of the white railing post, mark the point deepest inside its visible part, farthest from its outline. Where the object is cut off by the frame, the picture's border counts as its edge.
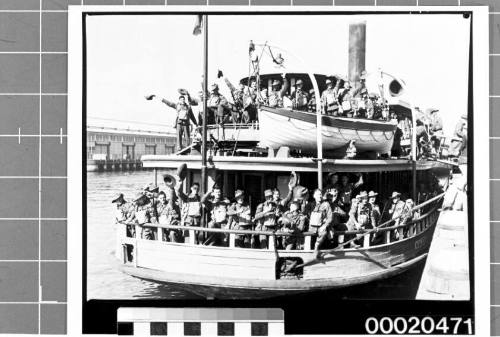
(366, 241)
(232, 239)
(401, 232)
(341, 241)
(307, 242)
(387, 236)
(271, 242)
(192, 239)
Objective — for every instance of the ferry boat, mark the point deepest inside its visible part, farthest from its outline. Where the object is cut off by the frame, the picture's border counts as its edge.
(260, 156)
(234, 272)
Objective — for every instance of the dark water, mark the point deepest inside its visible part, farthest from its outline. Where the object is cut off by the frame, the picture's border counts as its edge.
(106, 281)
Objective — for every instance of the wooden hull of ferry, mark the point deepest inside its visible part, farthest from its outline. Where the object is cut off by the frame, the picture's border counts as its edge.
(223, 272)
(297, 130)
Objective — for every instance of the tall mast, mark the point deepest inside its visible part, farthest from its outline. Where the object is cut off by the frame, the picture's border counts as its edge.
(205, 92)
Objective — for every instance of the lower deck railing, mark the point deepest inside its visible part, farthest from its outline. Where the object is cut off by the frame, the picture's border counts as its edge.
(383, 232)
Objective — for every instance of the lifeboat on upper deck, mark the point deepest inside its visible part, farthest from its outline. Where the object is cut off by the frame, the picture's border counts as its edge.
(288, 127)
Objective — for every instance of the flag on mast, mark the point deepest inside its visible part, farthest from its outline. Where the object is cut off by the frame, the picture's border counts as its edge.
(198, 25)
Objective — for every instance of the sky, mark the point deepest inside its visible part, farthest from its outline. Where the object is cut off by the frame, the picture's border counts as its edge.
(129, 57)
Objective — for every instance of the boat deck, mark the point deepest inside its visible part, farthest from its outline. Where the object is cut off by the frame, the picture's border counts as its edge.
(287, 164)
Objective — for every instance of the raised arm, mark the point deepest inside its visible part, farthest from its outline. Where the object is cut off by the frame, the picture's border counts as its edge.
(191, 117)
(180, 194)
(169, 103)
(191, 100)
(229, 84)
(284, 88)
(204, 199)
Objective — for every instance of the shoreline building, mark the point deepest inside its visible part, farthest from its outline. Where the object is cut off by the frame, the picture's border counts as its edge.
(121, 149)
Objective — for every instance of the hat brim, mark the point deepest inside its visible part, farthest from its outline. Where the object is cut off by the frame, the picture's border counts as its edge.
(140, 198)
(169, 179)
(182, 171)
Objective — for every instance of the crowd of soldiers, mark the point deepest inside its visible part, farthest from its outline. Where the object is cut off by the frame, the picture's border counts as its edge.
(336, 100)
(430, 136)
(334, 209)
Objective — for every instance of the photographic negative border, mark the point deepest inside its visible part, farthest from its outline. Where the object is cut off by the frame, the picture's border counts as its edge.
(351, 319)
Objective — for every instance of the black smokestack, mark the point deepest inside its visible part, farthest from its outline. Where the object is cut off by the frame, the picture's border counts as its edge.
(357, 50)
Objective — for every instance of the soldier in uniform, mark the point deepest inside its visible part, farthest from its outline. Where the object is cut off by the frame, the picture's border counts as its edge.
(264, 97)
(422, 140)
(364, 214)
(370, 106)
(250, 100)
(241, 219)
(435, 128)
(332, 181)
(216, 206)
(346, 189)
(293, 222)
(396, 206)
(299, 97)
(122, 207)
(122, 212)
(281, 203)
(169, 214)
(377, 216)
(237, 94)
(311, 105)
(151, 191)
(407, 215)
(345, 98)
(459, 139)
(329, 99)
(275, 97)
(217, 104)
(338, 213)
(143, 213)
(395, 211)
(184, 115)
(191, 207)
(320, 218)
(353, 209)
(266, 216)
